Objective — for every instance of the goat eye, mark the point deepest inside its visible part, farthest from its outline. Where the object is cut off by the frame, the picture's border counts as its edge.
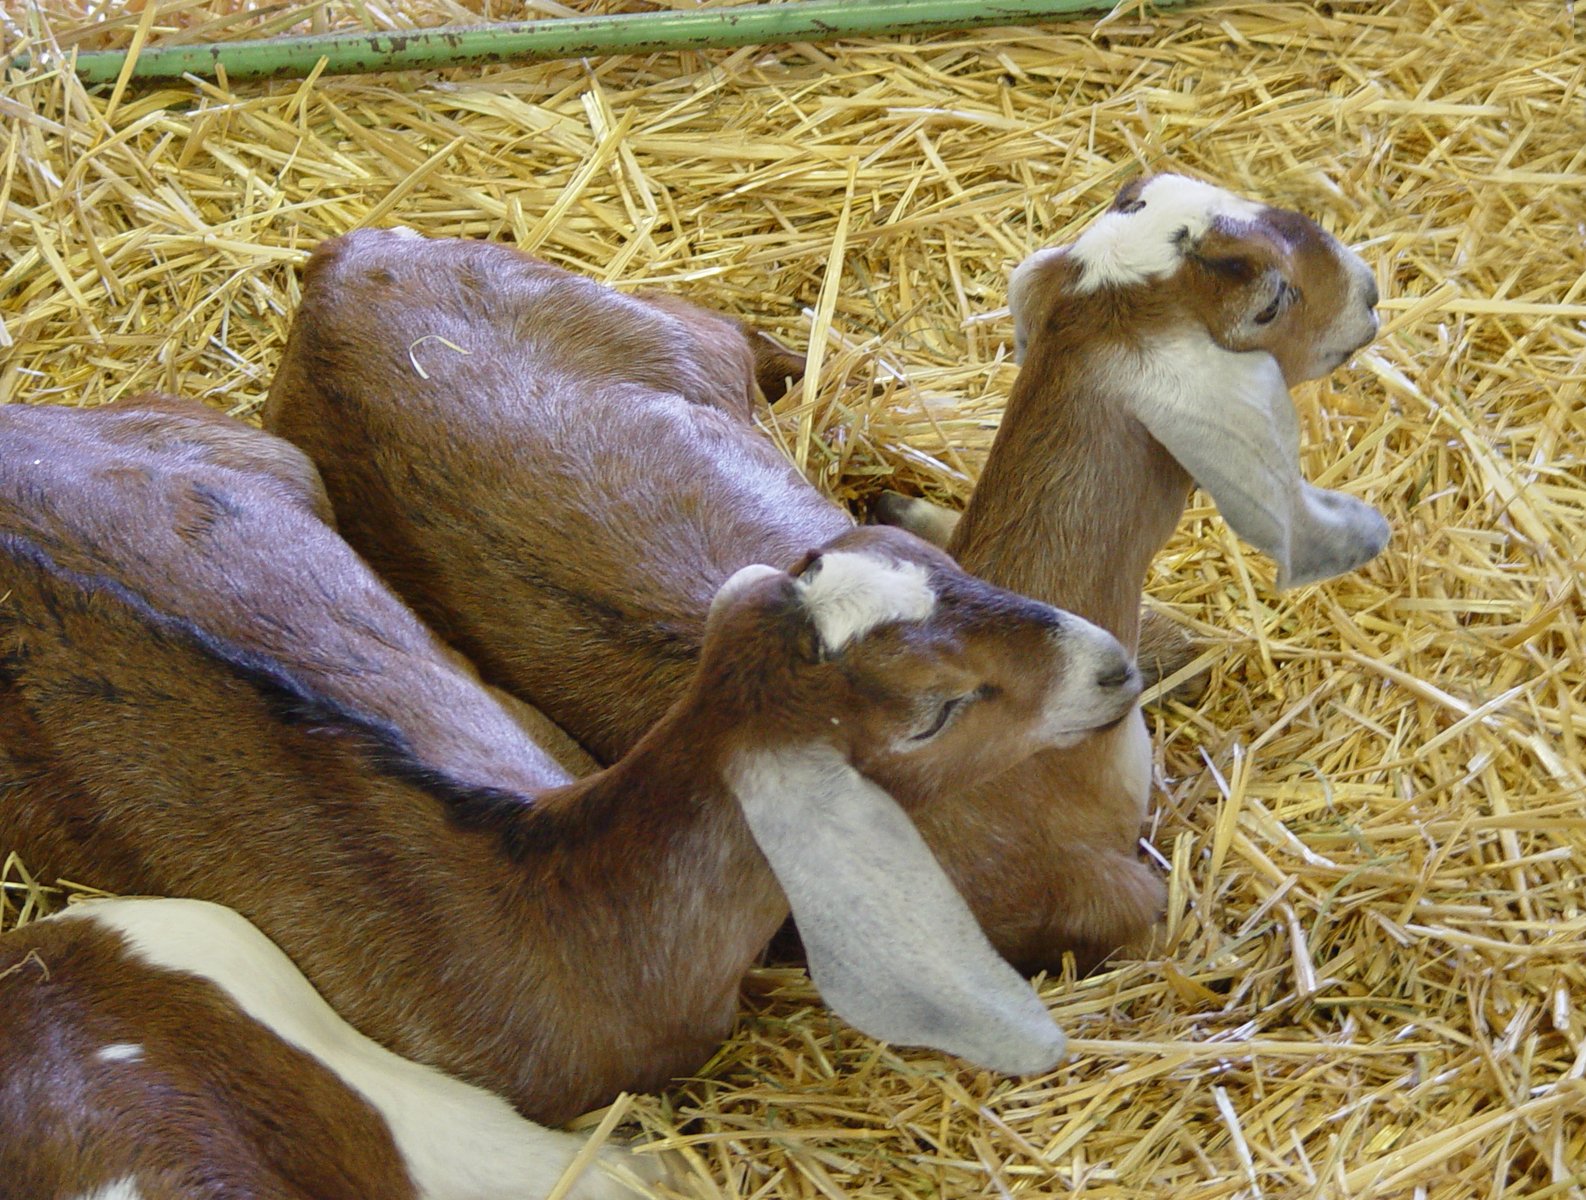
(943, 716)
(1270, 313)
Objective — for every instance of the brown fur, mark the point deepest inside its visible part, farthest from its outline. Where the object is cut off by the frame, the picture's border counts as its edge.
(1045, 519)
(549, 578)
(561, 502)
(215, 1105)
(205, 693)
(1164, 648)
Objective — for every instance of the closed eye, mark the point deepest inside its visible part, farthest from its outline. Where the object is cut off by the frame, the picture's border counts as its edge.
(1270, 313)
(944, 714)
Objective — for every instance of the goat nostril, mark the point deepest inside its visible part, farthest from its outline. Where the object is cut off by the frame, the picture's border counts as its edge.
(1372, 294)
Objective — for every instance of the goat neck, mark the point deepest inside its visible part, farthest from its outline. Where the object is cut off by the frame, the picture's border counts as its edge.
(1076, 497)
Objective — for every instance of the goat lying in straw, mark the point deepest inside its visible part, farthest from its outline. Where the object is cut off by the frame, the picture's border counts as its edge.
(558, 477)
(206, 694)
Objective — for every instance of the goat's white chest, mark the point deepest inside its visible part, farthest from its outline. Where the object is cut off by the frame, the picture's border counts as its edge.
(1131, 761)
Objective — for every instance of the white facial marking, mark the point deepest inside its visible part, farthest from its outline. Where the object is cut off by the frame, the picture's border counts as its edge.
(738, 581)
(847, 594)
(1098, 684)
(402, 231)
(119, 1052)
(1122, 248)
(891, 944)
(1356, 321)
(121, 1189)
(456, 1139)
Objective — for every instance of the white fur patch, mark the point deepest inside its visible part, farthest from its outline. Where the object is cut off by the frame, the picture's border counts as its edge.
(1354, 324)
(1122, 248)
(848, 594)
(456, 1140)
(1131, 764)
(740, 579)
(121, 1189)
(1080, 703)
(119, 1052)
(403, 231)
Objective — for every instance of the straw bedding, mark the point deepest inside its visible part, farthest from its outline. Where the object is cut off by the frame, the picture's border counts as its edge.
(1373, 970)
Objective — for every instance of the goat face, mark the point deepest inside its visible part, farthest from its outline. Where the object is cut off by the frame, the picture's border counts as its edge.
(1203, 309)
(923, 677)
(1174, 252)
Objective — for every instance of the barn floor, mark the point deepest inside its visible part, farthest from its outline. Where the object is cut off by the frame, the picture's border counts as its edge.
(1372, 977)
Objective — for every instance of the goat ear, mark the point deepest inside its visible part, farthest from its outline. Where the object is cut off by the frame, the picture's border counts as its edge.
(1239, 250)
(1238, 436)
(1128, 198)
(807, 642)
(775, 365)
(892, 946)
(1252, 268)
(807, 560)
(740, 579)
(1030, 293)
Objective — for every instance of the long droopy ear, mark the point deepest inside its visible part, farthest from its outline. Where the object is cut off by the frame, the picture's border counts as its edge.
(1228, 420)
(1028, 300)
(892, 946)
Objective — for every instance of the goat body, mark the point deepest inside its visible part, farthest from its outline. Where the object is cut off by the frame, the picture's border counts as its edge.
(557, 476)
(205, 693)
(165, 1049)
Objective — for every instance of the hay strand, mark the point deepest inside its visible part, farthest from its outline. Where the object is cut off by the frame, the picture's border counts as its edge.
(1370, 980)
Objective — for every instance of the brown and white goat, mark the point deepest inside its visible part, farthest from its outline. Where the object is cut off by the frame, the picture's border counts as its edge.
(1155, 352)
(166, 1050)
(557, 476)
(205, 693)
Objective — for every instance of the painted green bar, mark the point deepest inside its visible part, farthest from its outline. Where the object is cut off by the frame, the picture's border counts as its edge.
(576, 37)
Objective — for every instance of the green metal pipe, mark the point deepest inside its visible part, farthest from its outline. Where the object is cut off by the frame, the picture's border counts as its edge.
(575, 37)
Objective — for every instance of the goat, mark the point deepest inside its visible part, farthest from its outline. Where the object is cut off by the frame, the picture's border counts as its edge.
(165, 1049)
(555, 475)
(1154, 352)
(205, 693)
